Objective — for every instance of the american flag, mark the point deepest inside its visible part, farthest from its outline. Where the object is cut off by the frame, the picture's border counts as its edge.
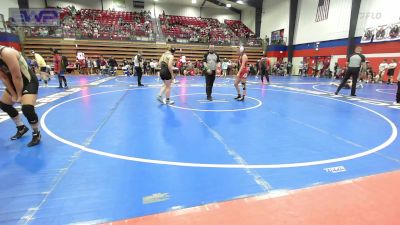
(322, 10)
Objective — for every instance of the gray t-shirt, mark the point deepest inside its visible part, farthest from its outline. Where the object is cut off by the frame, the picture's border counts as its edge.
(356, 60)
(211, 60)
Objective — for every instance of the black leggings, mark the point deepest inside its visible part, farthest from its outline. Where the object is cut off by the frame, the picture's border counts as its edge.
(139, 74)
(398, 92)
(61, 78)
(351, 72)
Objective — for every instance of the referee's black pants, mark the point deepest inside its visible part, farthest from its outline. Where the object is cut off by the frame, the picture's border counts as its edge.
(398, 92)
(352, 72)
(210, 78)
(138, 70)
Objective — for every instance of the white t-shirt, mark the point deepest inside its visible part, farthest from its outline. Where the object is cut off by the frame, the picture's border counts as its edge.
(136, 61)
(392, 65)
(383, 66)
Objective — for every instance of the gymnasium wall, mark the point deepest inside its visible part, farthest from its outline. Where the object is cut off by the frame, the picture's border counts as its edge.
(335, 27)
(219, 14)
(155, 9)
(172, 9)
(184, 10)
(372, 13)
(10, 40)
(248, 18)
(275, 16)
(331, 34)
(377, 12)
(337, 49)
(5, 5)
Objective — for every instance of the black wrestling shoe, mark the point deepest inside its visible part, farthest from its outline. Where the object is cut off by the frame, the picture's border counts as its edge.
(209, 98)
(241, 99)
(20, 132)
(35, 139)
(238, 97)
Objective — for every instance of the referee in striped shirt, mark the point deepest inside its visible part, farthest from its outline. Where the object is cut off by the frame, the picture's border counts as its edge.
(356, 64)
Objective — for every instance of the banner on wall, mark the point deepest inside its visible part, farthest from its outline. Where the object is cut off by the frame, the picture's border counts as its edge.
(394, 33)
(368, 35)
(277, 37)
(34, 17)
(388, 32)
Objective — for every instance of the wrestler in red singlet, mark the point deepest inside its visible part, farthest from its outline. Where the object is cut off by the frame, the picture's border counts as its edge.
(242, 74)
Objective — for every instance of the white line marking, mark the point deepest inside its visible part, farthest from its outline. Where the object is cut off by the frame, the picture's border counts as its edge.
(389, 141)
(315, 88)
(51, 98)
(236, 156)
(384, 91)
(259, 103)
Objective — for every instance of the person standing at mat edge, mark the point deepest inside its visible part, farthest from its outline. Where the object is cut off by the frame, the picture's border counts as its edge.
(390, 72)
(167, 69)
(210, 63)
(21, 86)
(138, 61)
(264, 66)
(60, 68)
(42, 67)
(355, 64)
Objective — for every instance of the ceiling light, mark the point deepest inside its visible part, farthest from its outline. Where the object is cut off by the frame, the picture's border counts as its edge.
(228, 5)
(194, 1)
(240, 2)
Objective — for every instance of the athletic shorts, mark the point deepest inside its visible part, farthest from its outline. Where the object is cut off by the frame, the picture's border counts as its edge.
(29, 87)
(390, 72)
(43, 69)
(165, 74)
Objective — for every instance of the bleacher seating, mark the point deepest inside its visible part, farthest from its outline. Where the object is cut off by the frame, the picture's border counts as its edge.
(121, 50)
(132, 26)
(101, 24)
(239, 28)
(203, 30)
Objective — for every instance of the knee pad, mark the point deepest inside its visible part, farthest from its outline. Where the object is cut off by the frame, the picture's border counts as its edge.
(244, 86)
(30, 114)
(9, 109)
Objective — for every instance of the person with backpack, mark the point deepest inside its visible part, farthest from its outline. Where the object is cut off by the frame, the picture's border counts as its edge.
(264, 66)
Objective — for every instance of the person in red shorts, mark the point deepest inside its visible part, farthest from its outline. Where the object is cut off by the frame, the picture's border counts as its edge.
(241, 76)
